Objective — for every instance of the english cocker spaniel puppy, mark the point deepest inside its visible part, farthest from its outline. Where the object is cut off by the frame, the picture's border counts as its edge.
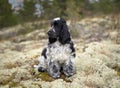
(58, 57)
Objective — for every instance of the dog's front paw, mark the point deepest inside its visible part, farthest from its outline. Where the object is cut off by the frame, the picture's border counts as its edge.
(54, 70)
(69, 70)
(41, 69)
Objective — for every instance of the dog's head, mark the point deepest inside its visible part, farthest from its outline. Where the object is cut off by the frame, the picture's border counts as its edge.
(59, 30)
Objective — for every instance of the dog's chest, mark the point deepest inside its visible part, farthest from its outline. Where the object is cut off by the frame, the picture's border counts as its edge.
(58, 52)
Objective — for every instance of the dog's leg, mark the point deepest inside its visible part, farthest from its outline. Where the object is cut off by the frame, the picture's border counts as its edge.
(53, 69)
(68, 68)
(72, 49)
(42, 64)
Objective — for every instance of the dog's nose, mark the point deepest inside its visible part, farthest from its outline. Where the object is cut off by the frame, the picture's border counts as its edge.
(51, 31)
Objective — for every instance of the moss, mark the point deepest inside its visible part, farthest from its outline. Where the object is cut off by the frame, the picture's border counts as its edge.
(46, 77)
(15, 84)
(66, 79)
(118, 73)
(116, 68)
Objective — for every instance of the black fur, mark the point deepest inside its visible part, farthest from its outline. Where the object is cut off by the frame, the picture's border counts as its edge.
(52, 40)
(44, 53)
(59, 32)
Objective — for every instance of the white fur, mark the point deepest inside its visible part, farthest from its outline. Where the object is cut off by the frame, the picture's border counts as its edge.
(57, 52)
(58, 18)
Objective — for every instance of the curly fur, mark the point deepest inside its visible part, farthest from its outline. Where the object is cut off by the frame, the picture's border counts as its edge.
(59, 55)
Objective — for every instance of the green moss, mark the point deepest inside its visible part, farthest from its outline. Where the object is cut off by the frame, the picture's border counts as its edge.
(118, 73)
(66, 79)
(13, 84)
(116, 68)
(46, 77)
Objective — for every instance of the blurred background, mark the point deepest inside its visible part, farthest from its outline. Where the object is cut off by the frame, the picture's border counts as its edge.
(85, 18)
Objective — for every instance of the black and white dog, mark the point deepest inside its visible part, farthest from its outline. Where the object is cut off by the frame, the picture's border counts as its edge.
(59, 55)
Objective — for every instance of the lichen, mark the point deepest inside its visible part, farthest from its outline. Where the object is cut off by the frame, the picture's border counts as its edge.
(98, 65)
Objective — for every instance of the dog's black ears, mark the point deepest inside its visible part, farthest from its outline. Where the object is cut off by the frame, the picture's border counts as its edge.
(64, 34)
(63, 21)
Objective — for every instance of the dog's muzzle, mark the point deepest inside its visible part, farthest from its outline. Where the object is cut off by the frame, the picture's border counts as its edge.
(52, 33)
